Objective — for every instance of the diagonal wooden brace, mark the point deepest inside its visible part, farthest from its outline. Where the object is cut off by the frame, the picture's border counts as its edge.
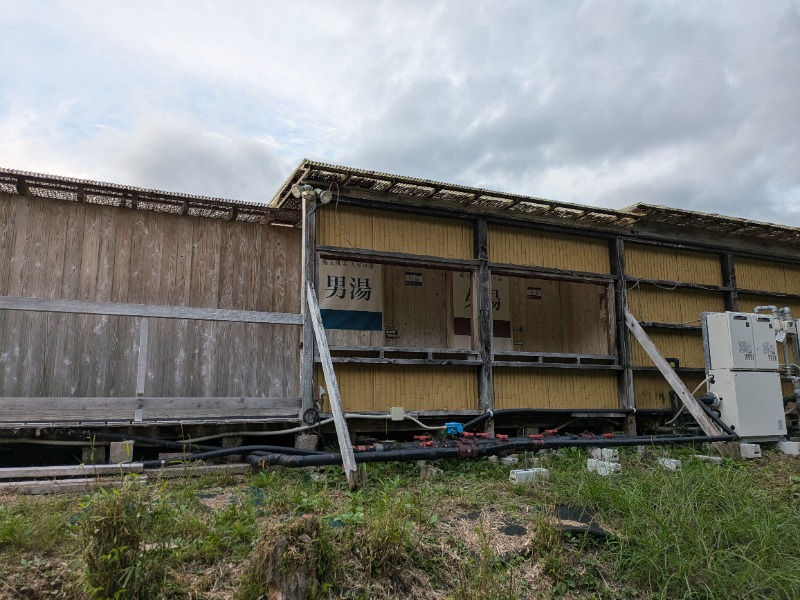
(342, 434)
(690, 402)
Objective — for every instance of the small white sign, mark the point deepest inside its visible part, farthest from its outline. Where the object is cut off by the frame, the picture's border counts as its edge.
(534, 293)
(413, 278)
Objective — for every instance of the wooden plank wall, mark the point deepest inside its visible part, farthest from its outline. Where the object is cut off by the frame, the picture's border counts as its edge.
(379, 387)
(349, 227)
(422, 315)
(670, 305)
(767, 276)
(419, 314)
(569, 316)
(651, 390)
(517, 246)
(57, 249)
(686, 346)
(652, 262)
(679, 305)
(554, 388)
(748, 302)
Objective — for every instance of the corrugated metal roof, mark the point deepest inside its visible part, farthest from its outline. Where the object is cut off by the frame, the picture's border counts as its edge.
(408, 190)
(714, 222)
(96, 192)
(386, 187)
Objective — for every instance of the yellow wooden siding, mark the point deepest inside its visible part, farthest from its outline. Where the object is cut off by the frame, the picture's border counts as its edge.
(554, 388)
(533, 248)
(747, 302)
(767, 276)
(379, 387)
(681, 305)
(384, 231)
(686, 346)
(651, 391)
(650, 262)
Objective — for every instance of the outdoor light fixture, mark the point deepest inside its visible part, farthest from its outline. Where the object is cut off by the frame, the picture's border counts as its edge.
(309, 193)
(324, 196)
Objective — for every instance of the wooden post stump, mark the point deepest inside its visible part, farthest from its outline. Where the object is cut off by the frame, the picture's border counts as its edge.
(284, 563)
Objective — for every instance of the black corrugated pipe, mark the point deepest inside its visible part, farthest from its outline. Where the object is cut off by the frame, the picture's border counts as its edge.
(717, 420)
(237, 451)
(484, 448)
(510, 412)
(158, 443)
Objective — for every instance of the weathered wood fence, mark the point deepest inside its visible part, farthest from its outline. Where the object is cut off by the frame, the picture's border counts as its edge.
(109, 314)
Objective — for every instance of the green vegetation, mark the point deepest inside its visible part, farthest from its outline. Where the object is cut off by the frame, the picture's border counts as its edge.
(706, 531)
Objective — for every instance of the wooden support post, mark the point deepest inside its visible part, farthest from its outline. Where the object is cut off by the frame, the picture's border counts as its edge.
(625, 377)
(728, 264)
(141, 371)
(342, 434)
(483, 315)
(703, 420)
(22, 187)
(308, 278)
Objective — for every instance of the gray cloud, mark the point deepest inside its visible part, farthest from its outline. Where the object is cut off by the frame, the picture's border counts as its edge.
(600, 102)
(612, 104)
(187, 159)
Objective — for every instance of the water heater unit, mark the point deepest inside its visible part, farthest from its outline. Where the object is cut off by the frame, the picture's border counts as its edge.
(740, 341)
(742, 361)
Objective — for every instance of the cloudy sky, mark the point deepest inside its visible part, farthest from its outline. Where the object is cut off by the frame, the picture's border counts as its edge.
(607, 102)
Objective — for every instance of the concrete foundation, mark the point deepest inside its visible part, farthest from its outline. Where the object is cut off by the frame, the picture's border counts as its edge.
(607, 454)
(602, 467)
(93, 455)
(232, 441)
(427, 471)
(529, 475)
(120, 452)
(738, 449)
(716, 460)
(791, 448)
(306, 441)
(669, 464)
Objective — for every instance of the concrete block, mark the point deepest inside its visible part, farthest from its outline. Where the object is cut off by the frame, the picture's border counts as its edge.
(716, 460)
(670, 464)
(317, 475)
(792, 448)
(306, 441)
(607, 454)
(602, 467)
(120, 452)
(738, 449)
(749, 450)
(529, 475)
(93, 455)
(232, 441)
(509, 460)
(428, 472)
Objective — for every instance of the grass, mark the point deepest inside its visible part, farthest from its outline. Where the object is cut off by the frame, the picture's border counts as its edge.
(706, 531)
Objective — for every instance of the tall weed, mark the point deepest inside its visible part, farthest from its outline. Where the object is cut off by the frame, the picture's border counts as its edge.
(117, 561)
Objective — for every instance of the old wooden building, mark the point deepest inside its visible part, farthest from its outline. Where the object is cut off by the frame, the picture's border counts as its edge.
(121, 306)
